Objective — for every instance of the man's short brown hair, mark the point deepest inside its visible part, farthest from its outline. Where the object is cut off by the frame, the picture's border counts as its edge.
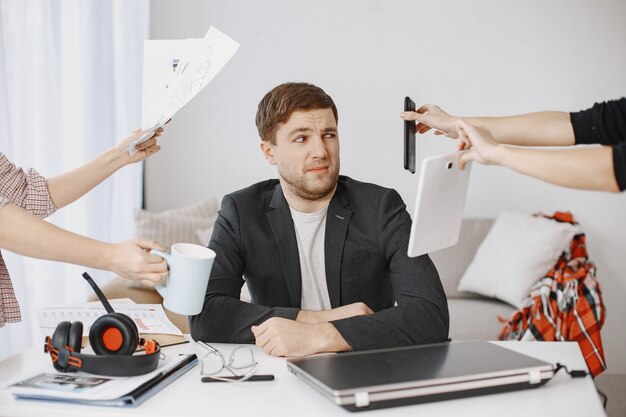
(281, 101)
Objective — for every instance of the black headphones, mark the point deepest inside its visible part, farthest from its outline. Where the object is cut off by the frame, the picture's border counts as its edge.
(113, 337)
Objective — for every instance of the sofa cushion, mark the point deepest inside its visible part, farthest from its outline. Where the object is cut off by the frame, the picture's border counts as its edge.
(452, 262)
(474, 319)
(519, 250)
(177, 225)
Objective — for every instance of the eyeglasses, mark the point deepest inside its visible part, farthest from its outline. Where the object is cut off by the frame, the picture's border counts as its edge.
(241, 363)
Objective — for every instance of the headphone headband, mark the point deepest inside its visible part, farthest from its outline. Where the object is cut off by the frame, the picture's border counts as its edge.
(113, 337)
(127, 365)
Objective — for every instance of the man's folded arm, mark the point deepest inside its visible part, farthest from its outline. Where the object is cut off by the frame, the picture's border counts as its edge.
(415, 320)
(421, 315)
(224, 317)
(227, 319)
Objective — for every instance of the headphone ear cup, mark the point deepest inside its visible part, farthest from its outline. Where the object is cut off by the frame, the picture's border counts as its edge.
(114, 334)
(130, 343)
(59, 340)
(75, 336)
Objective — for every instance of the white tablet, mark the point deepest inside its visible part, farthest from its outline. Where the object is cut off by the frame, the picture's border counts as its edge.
(439, 204)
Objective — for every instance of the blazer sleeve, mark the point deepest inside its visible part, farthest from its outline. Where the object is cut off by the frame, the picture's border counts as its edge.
(421, 313)
(224, 317)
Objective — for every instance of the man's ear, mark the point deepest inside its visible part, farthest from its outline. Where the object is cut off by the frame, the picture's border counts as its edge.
(268, 152)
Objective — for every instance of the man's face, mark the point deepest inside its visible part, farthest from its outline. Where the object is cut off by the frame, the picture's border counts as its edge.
(306, 153)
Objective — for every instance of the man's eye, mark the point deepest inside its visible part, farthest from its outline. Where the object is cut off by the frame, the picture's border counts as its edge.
(299, 139)
(330, 136)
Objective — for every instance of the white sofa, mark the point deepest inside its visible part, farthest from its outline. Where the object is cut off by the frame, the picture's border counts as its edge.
(472, 316)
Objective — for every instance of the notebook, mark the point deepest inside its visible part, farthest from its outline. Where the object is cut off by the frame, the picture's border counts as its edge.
(439, 204)
(409, 375)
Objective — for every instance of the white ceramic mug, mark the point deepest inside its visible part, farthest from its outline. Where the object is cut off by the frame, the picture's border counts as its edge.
(190, 267)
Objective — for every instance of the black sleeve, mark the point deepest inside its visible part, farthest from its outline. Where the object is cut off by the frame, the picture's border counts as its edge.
(224, 317)
(421, 313)
(605, 124)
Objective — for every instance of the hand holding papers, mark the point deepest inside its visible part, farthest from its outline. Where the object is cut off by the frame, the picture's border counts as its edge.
(175, 71)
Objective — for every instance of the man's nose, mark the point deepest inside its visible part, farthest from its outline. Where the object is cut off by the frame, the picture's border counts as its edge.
(318, 147)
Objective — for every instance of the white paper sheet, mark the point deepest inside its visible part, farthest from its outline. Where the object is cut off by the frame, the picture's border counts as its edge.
(175, 71)
(149, 318)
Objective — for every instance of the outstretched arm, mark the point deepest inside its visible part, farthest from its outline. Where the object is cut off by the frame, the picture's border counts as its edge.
(26, 234)
(546, 128)
(70, 186)
(587, 168)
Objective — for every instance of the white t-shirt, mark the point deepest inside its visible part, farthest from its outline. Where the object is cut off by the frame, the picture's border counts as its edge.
(310, 234)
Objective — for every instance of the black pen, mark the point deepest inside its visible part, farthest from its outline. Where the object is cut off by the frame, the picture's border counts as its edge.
(267, 377)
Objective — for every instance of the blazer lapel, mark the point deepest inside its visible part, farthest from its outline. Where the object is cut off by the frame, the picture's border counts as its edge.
(337, 221)
(281, 223)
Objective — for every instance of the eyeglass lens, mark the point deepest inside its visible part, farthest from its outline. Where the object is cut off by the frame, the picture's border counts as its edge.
(241, 358)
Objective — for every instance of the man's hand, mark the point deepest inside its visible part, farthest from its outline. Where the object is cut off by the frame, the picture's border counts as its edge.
(283, 337)
(343, 312)
(429, 117)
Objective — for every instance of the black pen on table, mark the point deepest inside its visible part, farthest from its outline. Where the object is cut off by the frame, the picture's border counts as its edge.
(253, 378)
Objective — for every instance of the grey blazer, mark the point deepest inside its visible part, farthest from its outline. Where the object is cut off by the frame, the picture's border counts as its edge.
(367, 232)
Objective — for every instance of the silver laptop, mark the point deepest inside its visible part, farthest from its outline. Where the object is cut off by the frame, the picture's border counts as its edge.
(409, 375)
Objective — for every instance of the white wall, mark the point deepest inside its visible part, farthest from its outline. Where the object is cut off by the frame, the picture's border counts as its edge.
(472, 58)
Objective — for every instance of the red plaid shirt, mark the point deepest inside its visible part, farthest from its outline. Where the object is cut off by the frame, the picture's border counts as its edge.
(566, 304)
(27, 190)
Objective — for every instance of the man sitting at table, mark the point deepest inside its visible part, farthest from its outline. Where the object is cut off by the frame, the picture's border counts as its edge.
(323, 255)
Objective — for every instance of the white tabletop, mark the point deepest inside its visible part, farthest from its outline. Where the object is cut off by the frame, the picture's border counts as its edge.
(288, 395)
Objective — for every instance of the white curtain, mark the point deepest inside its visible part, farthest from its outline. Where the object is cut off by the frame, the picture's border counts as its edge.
(70, 87)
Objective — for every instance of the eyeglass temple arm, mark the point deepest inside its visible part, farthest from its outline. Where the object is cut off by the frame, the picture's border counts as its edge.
(207, 346)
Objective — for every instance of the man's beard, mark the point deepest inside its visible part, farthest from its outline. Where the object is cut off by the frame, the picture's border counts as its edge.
(306, 188)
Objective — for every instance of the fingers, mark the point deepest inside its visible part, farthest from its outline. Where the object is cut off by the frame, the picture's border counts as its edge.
(151, 150)
(158, 267)
(467, 128)
(421, 128)
(464, 140)
(261, 335)
(153, 258)
(151, 278)
(425, 108)
(148, 244)
(150, 142)
(464, 158)
(424, 120)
